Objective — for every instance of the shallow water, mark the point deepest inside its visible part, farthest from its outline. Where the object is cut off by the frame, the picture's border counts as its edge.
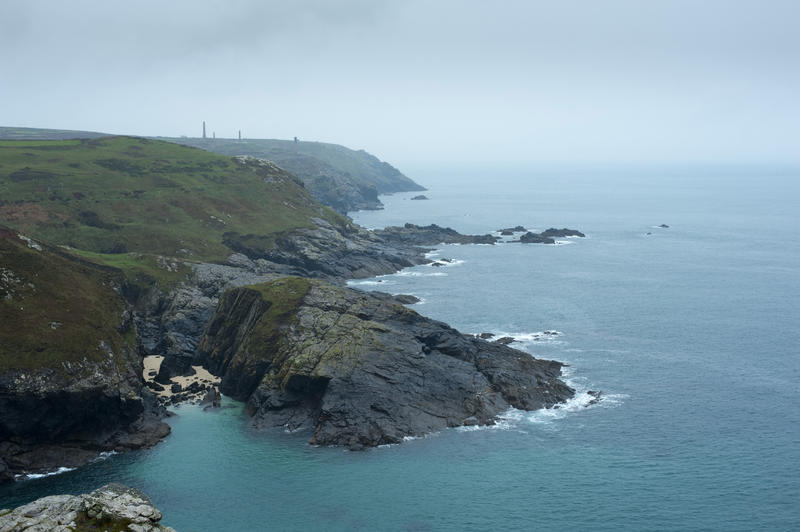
(691, 332)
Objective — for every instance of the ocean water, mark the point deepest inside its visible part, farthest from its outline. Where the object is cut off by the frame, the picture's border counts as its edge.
(691, 332)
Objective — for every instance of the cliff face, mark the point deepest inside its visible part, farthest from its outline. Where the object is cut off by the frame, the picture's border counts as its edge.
(361, 370)
(70, 383)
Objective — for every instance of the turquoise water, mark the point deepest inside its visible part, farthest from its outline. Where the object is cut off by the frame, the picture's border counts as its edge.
(692, 332)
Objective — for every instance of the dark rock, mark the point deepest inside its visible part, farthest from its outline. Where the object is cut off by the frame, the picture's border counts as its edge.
(535, 238)
(561, 233)
(359, 370)
(505, 340)
(664, 226)
(596, 397)
(486, 335)
(430, 235)
(212, 398)
(154, 386)
(512, 230)
(548, 236)
(406, 299)
(176, 388)
(420, 197)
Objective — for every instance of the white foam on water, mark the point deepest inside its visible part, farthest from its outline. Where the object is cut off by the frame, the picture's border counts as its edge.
(104, 455)
(34, 476)
(445, 263)
(405, 273)
(432, 254)
(550, 336)
(366, 283)
(562, 242)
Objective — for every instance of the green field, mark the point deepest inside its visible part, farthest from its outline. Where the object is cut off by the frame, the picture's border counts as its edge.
(118, 198)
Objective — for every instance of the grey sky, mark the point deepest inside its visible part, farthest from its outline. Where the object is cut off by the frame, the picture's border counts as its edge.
(419, 81)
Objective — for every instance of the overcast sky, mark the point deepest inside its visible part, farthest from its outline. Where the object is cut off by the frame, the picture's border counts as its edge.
(418, 82)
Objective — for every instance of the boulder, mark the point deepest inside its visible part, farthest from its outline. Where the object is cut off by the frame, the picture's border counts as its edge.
(112, 507)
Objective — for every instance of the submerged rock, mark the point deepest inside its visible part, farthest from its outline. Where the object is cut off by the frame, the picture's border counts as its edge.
(420, 197)
(112, 507)
(360, 370)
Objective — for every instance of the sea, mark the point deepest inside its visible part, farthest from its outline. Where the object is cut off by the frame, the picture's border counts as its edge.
(691, 332)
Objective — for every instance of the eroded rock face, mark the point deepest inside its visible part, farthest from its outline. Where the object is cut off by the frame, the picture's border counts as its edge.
(362, 370)
(112, 507)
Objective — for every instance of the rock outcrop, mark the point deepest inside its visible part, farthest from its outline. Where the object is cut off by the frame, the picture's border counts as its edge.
(172, 323)
(430, 235)
(548, 236)
(561, 233)
(361, 370)
(113, 507)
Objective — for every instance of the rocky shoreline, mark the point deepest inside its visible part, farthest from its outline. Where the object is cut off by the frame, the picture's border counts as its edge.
(360, 369)
(174, 325)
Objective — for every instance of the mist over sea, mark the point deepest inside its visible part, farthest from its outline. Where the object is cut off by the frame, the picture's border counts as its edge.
(691, 332)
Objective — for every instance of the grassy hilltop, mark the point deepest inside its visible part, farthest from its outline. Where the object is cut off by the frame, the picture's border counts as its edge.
(115, 198)
(335, 175)
(339, 177)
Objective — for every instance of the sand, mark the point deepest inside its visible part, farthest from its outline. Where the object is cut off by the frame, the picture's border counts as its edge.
(152, 364)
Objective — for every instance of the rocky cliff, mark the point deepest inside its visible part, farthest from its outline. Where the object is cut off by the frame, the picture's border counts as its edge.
(70, 378)
(360, 370)
(113, 507)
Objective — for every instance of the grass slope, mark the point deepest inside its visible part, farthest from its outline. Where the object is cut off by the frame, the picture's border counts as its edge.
(55, 308)
(121, 200)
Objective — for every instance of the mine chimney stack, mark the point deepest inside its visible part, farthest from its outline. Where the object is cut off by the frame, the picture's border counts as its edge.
(204, 129)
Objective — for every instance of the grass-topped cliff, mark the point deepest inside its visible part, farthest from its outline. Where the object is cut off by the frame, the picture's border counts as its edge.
(70, 373)
(335, 175)
(56, 310)
(115, 199)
